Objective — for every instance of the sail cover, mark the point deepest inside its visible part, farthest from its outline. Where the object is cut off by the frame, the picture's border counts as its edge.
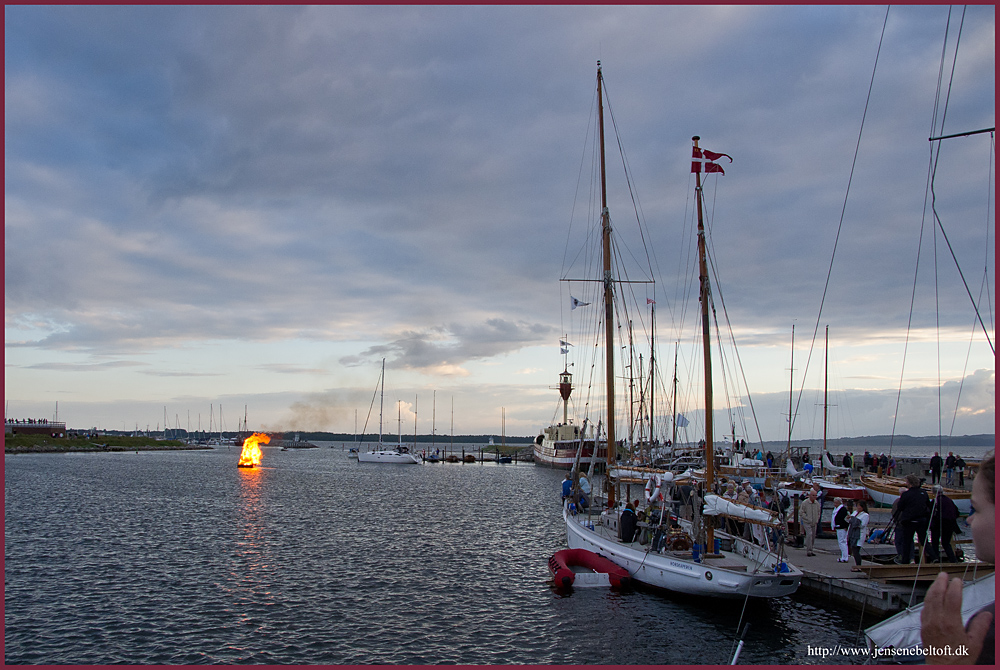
(791, 471)
(828, 464)
(715, 505)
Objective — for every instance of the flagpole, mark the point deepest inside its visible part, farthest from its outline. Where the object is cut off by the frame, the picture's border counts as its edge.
(706, 343)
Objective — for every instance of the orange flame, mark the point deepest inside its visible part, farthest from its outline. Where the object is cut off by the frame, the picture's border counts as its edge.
(250, 456)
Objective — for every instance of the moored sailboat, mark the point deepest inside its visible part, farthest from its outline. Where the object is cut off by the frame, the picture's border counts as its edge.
(833, 479)
(383, 454)
(677, 554)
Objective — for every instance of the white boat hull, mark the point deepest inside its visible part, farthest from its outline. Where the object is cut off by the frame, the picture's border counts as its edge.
(682, 575)
(387, 456)
(902, 631)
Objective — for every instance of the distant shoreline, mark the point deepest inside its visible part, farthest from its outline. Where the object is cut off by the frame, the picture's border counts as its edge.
(99, 444)
(880, 441)
(51, 448)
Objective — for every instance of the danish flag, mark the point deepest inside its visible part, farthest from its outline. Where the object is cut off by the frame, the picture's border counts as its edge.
(705, 157)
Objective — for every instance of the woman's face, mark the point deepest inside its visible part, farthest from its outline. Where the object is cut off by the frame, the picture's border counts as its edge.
(982, 520)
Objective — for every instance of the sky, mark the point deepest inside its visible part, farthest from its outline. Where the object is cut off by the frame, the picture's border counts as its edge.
(248, 208)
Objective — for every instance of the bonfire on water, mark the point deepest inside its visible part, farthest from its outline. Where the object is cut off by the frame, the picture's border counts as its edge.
(250, 456)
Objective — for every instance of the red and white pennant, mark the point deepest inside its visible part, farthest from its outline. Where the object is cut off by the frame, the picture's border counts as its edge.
(706, 158)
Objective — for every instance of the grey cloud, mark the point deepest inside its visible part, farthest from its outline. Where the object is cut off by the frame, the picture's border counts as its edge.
(282, 368)
(448, 348)
(346, 173)
(84, 367)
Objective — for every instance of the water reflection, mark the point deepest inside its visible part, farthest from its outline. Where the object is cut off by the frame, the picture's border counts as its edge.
(174, 558)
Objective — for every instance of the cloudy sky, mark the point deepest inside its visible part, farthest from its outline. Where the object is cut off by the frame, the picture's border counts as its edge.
(253, 206)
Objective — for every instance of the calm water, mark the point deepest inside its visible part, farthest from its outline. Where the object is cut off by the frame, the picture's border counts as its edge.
(182, 558)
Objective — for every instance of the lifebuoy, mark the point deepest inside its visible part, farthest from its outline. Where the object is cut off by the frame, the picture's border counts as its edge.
(653, 493)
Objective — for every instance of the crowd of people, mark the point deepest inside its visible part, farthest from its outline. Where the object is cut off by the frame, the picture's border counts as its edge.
(915, 516)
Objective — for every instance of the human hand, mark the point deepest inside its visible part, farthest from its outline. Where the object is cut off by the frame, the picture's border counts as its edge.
(941, 629)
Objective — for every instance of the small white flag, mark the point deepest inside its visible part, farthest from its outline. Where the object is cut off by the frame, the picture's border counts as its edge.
(578, 303)
(682, 421)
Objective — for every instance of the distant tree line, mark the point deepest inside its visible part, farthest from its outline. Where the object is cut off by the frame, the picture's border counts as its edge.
(897, 440)
(388, 438)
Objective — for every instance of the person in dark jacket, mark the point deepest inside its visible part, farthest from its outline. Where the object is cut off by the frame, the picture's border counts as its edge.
(935, 469)
(627, 523)
(839, 522)
(914, 513)
(944, 523)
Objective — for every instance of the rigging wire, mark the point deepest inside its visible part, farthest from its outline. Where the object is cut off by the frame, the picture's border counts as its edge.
(983, 286)
(937, 154)
(840, 225)
(732, 336)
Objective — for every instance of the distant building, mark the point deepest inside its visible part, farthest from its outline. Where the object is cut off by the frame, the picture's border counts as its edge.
(34, 427)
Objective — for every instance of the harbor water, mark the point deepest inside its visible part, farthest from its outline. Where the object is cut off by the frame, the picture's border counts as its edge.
(180, 557)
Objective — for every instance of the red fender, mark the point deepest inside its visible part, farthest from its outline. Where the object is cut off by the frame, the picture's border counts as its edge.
(560, 562)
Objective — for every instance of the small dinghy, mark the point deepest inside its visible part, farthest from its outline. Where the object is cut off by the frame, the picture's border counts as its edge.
(595, 570)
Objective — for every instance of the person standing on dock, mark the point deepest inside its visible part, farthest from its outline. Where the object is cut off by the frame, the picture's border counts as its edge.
(839, 523)
(894, 521)
(935, 469)
(914, 514)
(944, 522)
(960, 467)
(809, 512)
(857, 531)
(949, 469)
(941, 619)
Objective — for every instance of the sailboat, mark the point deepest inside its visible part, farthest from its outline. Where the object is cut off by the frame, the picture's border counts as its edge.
(385, 454)
(835, 480)
(679, 555)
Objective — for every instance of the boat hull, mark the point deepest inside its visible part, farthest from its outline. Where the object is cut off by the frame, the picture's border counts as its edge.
(845, 491)
(885, 491)
(387, 456)
(680, 575)
(562, 455)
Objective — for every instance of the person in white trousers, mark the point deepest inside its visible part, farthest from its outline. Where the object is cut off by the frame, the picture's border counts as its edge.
(839, 523)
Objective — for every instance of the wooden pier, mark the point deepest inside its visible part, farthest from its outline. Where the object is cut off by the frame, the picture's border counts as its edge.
(876, 588)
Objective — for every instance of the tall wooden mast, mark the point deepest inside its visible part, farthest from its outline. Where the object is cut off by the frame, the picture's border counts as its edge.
(705, 294)
(826, 406)
(652, 374)
(609, 307)
(791, 392)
